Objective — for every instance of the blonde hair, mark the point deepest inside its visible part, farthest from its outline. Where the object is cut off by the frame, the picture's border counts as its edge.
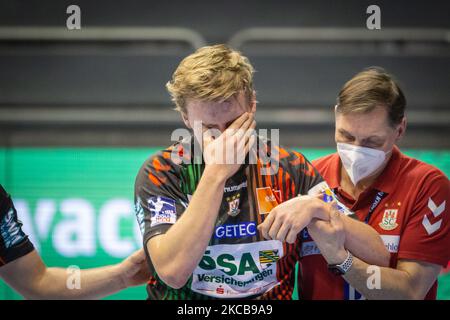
(212, 73)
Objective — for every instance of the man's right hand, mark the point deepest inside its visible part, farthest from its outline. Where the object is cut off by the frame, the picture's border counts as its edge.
(224, 155)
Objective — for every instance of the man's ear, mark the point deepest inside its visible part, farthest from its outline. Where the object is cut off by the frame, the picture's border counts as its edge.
(186, 120)
(401, 129)
(253, 102)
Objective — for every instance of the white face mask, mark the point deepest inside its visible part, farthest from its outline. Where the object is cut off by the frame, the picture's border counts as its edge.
(360, 162)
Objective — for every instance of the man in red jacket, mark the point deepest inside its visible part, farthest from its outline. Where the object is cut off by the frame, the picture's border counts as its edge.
(404, 199)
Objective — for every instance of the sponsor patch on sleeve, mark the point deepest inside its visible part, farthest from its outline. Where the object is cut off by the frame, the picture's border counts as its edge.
(391, 242)
(329, 196)
(163, 210)
(309, 248)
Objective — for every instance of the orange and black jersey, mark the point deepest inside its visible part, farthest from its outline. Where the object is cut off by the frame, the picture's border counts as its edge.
(238, 262)
(14, 243)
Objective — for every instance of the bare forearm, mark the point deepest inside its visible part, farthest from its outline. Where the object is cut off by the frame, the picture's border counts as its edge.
(30, 277)
(375, 282)
(181, 248)
(365, 243)
(59, 283)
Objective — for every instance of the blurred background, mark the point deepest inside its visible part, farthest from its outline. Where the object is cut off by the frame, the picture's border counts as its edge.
(80, 110)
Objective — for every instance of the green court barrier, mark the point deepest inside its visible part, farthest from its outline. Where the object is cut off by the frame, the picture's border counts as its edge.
(77, 203)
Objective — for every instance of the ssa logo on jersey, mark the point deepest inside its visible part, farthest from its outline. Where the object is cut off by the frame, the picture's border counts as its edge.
(238, 270)
(163, 210)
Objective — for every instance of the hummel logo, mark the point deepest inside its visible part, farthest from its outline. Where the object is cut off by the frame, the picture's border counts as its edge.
(436, 210)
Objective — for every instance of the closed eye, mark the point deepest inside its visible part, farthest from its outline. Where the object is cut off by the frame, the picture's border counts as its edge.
(347, 136)
(373, 143)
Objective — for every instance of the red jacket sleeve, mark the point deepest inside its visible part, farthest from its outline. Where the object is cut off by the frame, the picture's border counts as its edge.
(426, 236)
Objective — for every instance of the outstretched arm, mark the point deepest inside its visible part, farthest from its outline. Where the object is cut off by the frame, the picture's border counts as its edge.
(30, 277)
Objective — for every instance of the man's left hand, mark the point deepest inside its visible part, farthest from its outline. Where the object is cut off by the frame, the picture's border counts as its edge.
(329, 237)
